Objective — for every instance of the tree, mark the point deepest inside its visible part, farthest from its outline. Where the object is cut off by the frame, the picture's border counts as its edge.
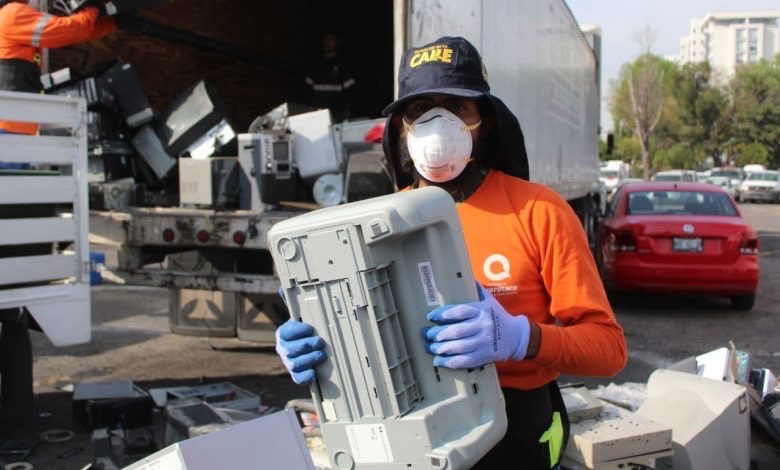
(638, 100)
(755, 92)
(698, 115)
(628, 150)
(679, 156)
(645, 39)
(753, 153)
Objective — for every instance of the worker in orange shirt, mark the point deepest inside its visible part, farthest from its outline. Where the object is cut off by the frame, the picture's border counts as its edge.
(543, 310)
(24, 31)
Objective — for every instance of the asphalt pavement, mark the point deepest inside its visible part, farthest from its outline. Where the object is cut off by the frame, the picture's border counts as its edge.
(132, 341)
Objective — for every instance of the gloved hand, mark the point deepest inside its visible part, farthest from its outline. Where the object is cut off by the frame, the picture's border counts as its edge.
(476, 333)
(300, 350)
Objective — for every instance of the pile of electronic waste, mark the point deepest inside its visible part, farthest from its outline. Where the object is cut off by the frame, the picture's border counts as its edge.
(189, 154)
(697, 413)
(122, 417)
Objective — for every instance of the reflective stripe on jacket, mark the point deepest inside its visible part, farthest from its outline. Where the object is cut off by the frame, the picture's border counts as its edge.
(24, 31)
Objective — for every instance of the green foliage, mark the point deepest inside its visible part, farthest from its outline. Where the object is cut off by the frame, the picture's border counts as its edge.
(629, 150)
(696, 117)
(755, 91)
(700, 119)
(678, 156)
(620, 99)
(753, 153)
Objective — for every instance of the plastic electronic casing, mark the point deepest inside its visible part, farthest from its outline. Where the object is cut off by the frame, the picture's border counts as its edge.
(364, 274)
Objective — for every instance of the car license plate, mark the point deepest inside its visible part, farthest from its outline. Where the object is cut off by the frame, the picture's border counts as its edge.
(687, 244)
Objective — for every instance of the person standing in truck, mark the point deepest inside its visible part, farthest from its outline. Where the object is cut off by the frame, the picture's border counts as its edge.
(542, 310)
(331, 80)
(24, 31)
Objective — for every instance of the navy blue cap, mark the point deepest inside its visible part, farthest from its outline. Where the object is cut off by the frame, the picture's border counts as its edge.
(449, 65)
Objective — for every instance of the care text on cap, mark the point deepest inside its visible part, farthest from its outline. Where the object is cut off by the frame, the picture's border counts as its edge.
(434, 53)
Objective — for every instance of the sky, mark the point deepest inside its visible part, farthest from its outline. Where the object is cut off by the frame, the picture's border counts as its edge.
(619, 20)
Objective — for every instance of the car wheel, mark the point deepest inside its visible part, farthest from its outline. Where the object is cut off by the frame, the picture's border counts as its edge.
(743, 302)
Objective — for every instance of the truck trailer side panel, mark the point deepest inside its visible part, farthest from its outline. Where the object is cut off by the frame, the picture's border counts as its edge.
(540, 64)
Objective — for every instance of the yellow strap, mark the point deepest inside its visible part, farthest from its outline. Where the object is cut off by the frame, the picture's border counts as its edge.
(473, 126)
(554, 439)
(410, 126)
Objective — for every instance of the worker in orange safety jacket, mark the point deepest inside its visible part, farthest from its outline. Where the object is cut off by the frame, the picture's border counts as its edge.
(542, 310)
(24, 31)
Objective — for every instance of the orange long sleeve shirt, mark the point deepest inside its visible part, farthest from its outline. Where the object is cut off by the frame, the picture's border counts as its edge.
(24, 31)
(527, 246)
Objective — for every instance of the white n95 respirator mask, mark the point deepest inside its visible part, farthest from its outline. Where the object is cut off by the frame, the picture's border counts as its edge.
(439, 143)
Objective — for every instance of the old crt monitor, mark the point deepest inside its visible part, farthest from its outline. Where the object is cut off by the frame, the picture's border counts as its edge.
(365, 274)
(267, 159)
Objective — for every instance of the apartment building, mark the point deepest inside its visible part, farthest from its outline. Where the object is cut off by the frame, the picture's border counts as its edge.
(728, 40)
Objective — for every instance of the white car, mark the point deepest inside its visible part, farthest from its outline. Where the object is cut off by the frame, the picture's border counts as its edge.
(725, 183)
(760, 186)
(610, 178)
(675, 175)
(736, 174)
(750, 168)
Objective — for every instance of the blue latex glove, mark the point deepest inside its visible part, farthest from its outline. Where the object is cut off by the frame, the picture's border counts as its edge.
(300, 350)
(476, 333)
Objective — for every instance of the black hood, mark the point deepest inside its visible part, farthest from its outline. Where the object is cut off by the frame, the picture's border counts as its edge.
(507, 153)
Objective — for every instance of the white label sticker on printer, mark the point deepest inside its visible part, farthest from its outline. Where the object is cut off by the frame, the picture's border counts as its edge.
(369, 443)
(429, 284)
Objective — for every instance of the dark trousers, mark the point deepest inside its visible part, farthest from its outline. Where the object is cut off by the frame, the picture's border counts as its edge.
(529, 414)
(16, 371)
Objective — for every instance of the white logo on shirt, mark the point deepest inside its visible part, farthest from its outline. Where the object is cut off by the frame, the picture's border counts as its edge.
(487, 267)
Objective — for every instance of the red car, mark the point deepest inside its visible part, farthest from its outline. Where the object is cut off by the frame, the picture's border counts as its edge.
(678, 237)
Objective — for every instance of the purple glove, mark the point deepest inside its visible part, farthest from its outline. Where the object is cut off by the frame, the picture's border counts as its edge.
(476, 333)
(300, 350)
